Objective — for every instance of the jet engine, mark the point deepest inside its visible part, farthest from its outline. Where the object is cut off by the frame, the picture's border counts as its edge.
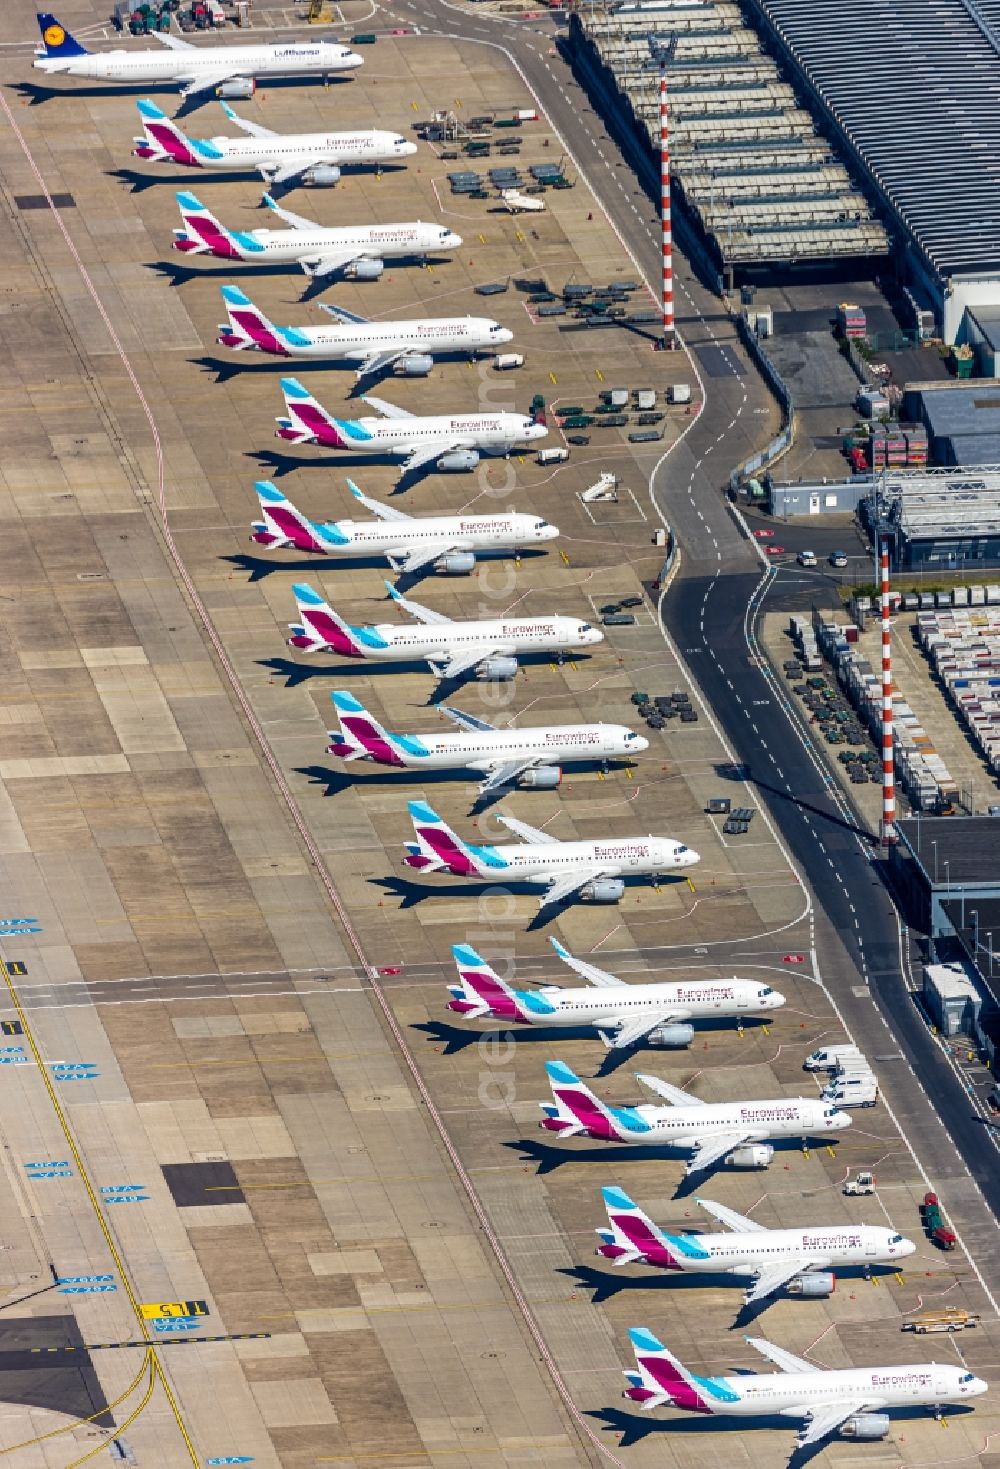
(671, 1035)
(236, 87)
(364, 270)
(813, 1283)
(416, 364)
(456, 563)
(603, 890)
(324, 175)
(750, 1155)
(866, 1426)
(542, 778)
(497, 670)
(459, 461)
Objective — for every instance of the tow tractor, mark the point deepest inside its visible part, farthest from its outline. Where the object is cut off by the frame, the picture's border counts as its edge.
(863, 1183)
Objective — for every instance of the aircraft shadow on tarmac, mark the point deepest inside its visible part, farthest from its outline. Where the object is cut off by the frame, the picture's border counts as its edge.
(550, 1156)
(455, 1038)
(252, 363)
(139, 182)
(36, 93)
(258, 567)
(179, 274)
(741, 773)
(411, 893)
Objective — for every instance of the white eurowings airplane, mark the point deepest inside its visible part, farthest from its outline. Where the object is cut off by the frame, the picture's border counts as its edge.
(595, 870)
(739, 1131)
(803, 1260)
(371, 347)
(451, 442)
(849, 1401)
(529, 758)
(623, 1014)
(449, 648)
(315, 158)
(359, 250)
(234, 69)
(410, 543)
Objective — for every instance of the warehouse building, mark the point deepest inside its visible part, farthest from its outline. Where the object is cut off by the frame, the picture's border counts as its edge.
(912, 92)
(962, 420)
(762, 187)
(942, 520)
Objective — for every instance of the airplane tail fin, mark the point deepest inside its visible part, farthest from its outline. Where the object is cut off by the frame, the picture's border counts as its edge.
(662, 1378)
(575, 1109)
(437, 847)
(306, 420)
(247, 325)
(632, 1235)
(481, 991)
(202, 233)
(321, 627)
(57, 42)
(162, 140)
(283, 525)
(360, 733)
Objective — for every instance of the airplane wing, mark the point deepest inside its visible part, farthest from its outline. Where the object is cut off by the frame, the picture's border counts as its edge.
(255, 129)
(564, 887)
(384, 512)
(709, 1153)
(416, 560)
(530, 834)
(628, 1032)
(729, 1217)
(468, 722)
(505, 773)
(589, 972)
(297, 221)
(174, 42)
(388, 410)
(773, 1277)
(195, 84)
(377, 362)
(415, 609)
(825, 1420)
(320, 265)
(785, 1360)
(460, 663)
(417, 458)
(671, 1094)
(287, 170)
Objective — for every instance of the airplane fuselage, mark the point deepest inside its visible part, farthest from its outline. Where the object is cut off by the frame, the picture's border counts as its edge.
(397, 539)
(691, 1127)
(377, 241)
(484, 749)
(337, 148)
(681, 1000)
(296, 58)
(439, 642)
(497, 432)
(357, 342)
(748, 1254)
(797, 1394)
(634, 857)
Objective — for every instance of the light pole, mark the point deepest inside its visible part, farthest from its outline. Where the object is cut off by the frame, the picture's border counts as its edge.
(934, 845)
(663, 53)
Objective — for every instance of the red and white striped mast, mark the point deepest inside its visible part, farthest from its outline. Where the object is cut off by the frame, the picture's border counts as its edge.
(888, 754)
(663, 53)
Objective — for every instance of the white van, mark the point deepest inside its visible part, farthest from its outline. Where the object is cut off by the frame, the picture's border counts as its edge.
(507, 361)
(551, 456)
(827, 1058)
(861, 1094)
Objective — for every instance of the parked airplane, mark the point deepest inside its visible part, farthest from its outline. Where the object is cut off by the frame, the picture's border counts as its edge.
(371, 346)
(800, 1259)
(410, 543)
(450, 649)
(529, 758)
(359, 250)
(736, 1131)
(452, 442)
(623, 1014)
(848, 1401)
(595, 870)
(315, 158)
(233, 69)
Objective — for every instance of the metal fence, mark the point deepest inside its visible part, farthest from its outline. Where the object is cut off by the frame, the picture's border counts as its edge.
(779, 388)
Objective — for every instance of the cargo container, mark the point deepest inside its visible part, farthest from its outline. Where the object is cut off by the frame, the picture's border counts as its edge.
(679, 393)
(851, 321)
